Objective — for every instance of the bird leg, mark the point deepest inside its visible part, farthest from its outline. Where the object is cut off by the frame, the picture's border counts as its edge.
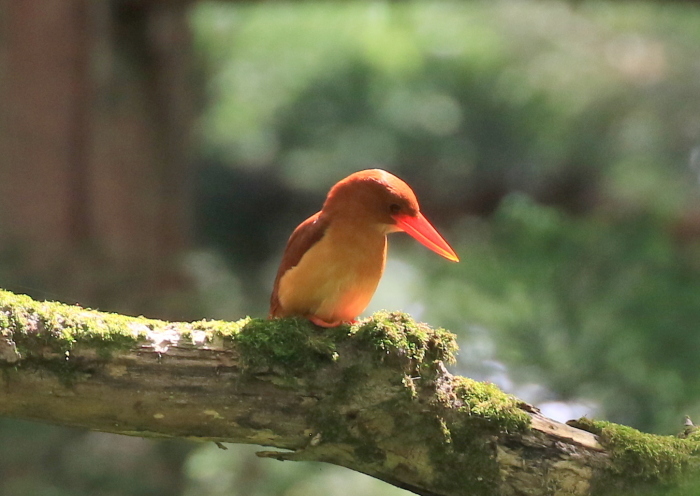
(322, 323)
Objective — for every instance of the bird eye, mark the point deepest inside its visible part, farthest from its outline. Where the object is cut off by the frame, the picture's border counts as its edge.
(394, 208)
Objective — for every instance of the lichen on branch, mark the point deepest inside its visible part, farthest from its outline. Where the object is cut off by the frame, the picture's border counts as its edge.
(374, 397)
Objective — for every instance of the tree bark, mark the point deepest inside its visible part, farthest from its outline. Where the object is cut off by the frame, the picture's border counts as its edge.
(375, 397)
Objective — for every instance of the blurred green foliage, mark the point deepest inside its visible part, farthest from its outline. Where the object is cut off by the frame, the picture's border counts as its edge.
(592, 306)
(42, 460)
(558, 143)
(555, 144)
(237, 471)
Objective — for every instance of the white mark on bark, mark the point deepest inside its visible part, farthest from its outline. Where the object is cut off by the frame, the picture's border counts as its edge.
(199, 337)
(214, 414)
(163, 339)
(8, 351)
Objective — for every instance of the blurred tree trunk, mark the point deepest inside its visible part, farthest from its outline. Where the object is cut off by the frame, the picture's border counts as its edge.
(96, 107)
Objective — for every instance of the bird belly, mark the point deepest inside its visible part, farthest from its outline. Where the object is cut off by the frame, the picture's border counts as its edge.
(335, 280)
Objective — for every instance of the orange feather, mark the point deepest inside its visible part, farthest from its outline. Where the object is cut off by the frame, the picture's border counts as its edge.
(334, 260)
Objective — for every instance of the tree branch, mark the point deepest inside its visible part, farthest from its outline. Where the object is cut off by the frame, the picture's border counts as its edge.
(374, 397)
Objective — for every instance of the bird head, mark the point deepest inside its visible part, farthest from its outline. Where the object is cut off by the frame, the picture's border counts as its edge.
(380, 199)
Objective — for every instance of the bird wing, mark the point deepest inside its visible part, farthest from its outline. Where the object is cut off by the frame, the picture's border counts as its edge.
(307, 234)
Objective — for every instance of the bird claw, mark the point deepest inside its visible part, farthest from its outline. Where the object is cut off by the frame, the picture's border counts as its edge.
(322, 323)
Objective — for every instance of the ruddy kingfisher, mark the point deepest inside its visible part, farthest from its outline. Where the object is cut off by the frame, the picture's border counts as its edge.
(334, 259)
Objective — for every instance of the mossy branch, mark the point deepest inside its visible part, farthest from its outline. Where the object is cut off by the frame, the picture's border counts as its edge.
(374, 397)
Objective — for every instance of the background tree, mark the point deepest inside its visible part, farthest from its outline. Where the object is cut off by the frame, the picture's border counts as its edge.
(555, 145)
(96, 108)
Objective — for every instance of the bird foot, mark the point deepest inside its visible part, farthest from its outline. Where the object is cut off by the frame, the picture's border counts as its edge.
(322, 323)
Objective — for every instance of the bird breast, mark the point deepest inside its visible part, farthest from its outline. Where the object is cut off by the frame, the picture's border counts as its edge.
(337, 277)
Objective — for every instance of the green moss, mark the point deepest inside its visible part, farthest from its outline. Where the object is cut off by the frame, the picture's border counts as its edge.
(474, 411)
(59, 327)
(392, 339)
(217, 328)
(47, 333)
(444, 430)
(293, 344)
(397, 333)
(465, 457)
(637, 457)
(694, 435)
(296, 344)
(4, 317)
(290, 344)
(410, 387)
(486, 401)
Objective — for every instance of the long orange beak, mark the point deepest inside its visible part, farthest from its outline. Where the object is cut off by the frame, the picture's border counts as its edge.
(424, 232)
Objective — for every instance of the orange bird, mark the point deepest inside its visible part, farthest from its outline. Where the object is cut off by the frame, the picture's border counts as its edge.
(335, 258)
